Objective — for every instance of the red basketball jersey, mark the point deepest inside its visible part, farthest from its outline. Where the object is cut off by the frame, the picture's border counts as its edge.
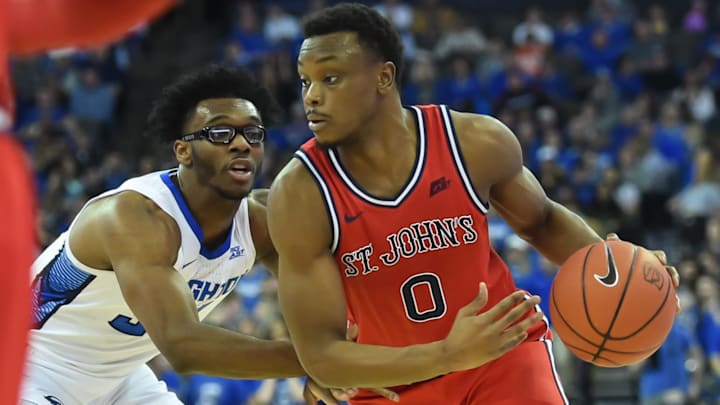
(408, 264)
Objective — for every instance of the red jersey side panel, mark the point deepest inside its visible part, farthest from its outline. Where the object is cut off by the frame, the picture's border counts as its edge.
(410, 263)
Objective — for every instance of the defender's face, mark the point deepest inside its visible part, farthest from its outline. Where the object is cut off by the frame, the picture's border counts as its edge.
(230, 168)
(338, 79)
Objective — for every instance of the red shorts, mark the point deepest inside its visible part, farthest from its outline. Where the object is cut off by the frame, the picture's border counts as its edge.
(524, 376)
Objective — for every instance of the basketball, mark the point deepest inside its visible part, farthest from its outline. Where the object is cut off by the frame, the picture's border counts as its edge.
(612, 303)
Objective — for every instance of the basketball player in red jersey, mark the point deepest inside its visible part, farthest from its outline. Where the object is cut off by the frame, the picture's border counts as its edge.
(29, 26)
(381, 219)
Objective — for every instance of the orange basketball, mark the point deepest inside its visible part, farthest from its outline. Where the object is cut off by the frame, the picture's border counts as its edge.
(612, 303)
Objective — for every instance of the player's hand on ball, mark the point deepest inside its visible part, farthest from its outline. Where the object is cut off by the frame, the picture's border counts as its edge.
(674, 275)
(477, 338)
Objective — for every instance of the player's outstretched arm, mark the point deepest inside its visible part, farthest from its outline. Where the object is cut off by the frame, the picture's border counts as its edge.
(38, 25)
(140, 243)
(313, 304)
(495, 165)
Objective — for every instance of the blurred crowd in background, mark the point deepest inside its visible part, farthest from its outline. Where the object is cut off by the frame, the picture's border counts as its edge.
(615, 106)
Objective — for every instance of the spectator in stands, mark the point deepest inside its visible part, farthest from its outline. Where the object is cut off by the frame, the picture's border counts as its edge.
(644, 45)
(93, 101)
(533, 26)
(665, 378)
(659, 24)
(601, 54)
(700, 199)
(696, 18)
(401, 16)
(697, 97)
(463, 39)
(248, 34)
(422, 86)
(430, 20)
(569, 34)
(708, 330)
(462, 90)
(280, 27)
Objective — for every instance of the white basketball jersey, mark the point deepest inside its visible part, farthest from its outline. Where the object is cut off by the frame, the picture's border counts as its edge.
(83, 327)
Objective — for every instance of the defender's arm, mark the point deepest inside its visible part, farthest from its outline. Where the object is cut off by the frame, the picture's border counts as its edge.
(140, 243)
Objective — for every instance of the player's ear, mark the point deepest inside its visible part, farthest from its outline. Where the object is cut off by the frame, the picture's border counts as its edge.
(386, 77)
(183, 152)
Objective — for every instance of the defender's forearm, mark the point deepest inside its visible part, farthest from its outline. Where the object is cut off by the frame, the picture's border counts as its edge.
(215, 351)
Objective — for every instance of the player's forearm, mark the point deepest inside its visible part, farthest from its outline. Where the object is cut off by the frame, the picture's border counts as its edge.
(349, 364)
(561, 234)
(215, 351)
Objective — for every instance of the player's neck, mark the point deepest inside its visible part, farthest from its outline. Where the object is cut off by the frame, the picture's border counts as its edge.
(391, 130)
(383, 156)
(213, 213)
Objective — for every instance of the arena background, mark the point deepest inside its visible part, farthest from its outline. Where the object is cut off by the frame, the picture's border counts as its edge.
(614, 102)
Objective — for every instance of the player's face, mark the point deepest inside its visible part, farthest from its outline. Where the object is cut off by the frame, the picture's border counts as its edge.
(338, 78)
(227, 168)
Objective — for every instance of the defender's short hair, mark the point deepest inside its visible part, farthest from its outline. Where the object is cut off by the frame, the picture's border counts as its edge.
(178, 100)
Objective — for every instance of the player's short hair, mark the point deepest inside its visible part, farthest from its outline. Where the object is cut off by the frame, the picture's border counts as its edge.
(178, 100)
(374, 31)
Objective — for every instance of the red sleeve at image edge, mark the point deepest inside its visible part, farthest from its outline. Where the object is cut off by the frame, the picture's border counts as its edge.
(17, 248)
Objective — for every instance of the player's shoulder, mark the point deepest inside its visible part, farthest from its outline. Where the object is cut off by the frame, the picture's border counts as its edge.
(484, 135)
(294, 177)
(118, 221)
(258, 197)
(481, 130)
(125, 208)
(296, 207)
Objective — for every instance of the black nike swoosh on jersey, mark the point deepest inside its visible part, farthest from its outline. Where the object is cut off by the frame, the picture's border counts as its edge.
(349, 218)
(189, 263)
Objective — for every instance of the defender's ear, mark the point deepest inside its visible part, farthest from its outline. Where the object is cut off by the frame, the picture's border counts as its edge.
(183, 152)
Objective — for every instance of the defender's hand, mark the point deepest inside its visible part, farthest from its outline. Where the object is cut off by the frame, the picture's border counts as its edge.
(351, 334)
(330, 396)
(314, 393)
(477, 338)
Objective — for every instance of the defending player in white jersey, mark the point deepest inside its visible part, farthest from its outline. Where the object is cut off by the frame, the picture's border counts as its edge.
(141, 265)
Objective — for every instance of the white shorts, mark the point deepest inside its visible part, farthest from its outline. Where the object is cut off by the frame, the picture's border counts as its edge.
(139, 388)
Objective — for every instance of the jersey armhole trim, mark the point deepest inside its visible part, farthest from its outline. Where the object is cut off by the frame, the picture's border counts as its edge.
(457, 156)
(327, 198)
(246, 231)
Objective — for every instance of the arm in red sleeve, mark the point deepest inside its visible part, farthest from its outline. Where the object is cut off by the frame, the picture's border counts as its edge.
(41, 25)
(17, 248)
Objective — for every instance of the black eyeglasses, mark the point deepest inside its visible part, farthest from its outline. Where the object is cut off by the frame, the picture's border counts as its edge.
(253, 134)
